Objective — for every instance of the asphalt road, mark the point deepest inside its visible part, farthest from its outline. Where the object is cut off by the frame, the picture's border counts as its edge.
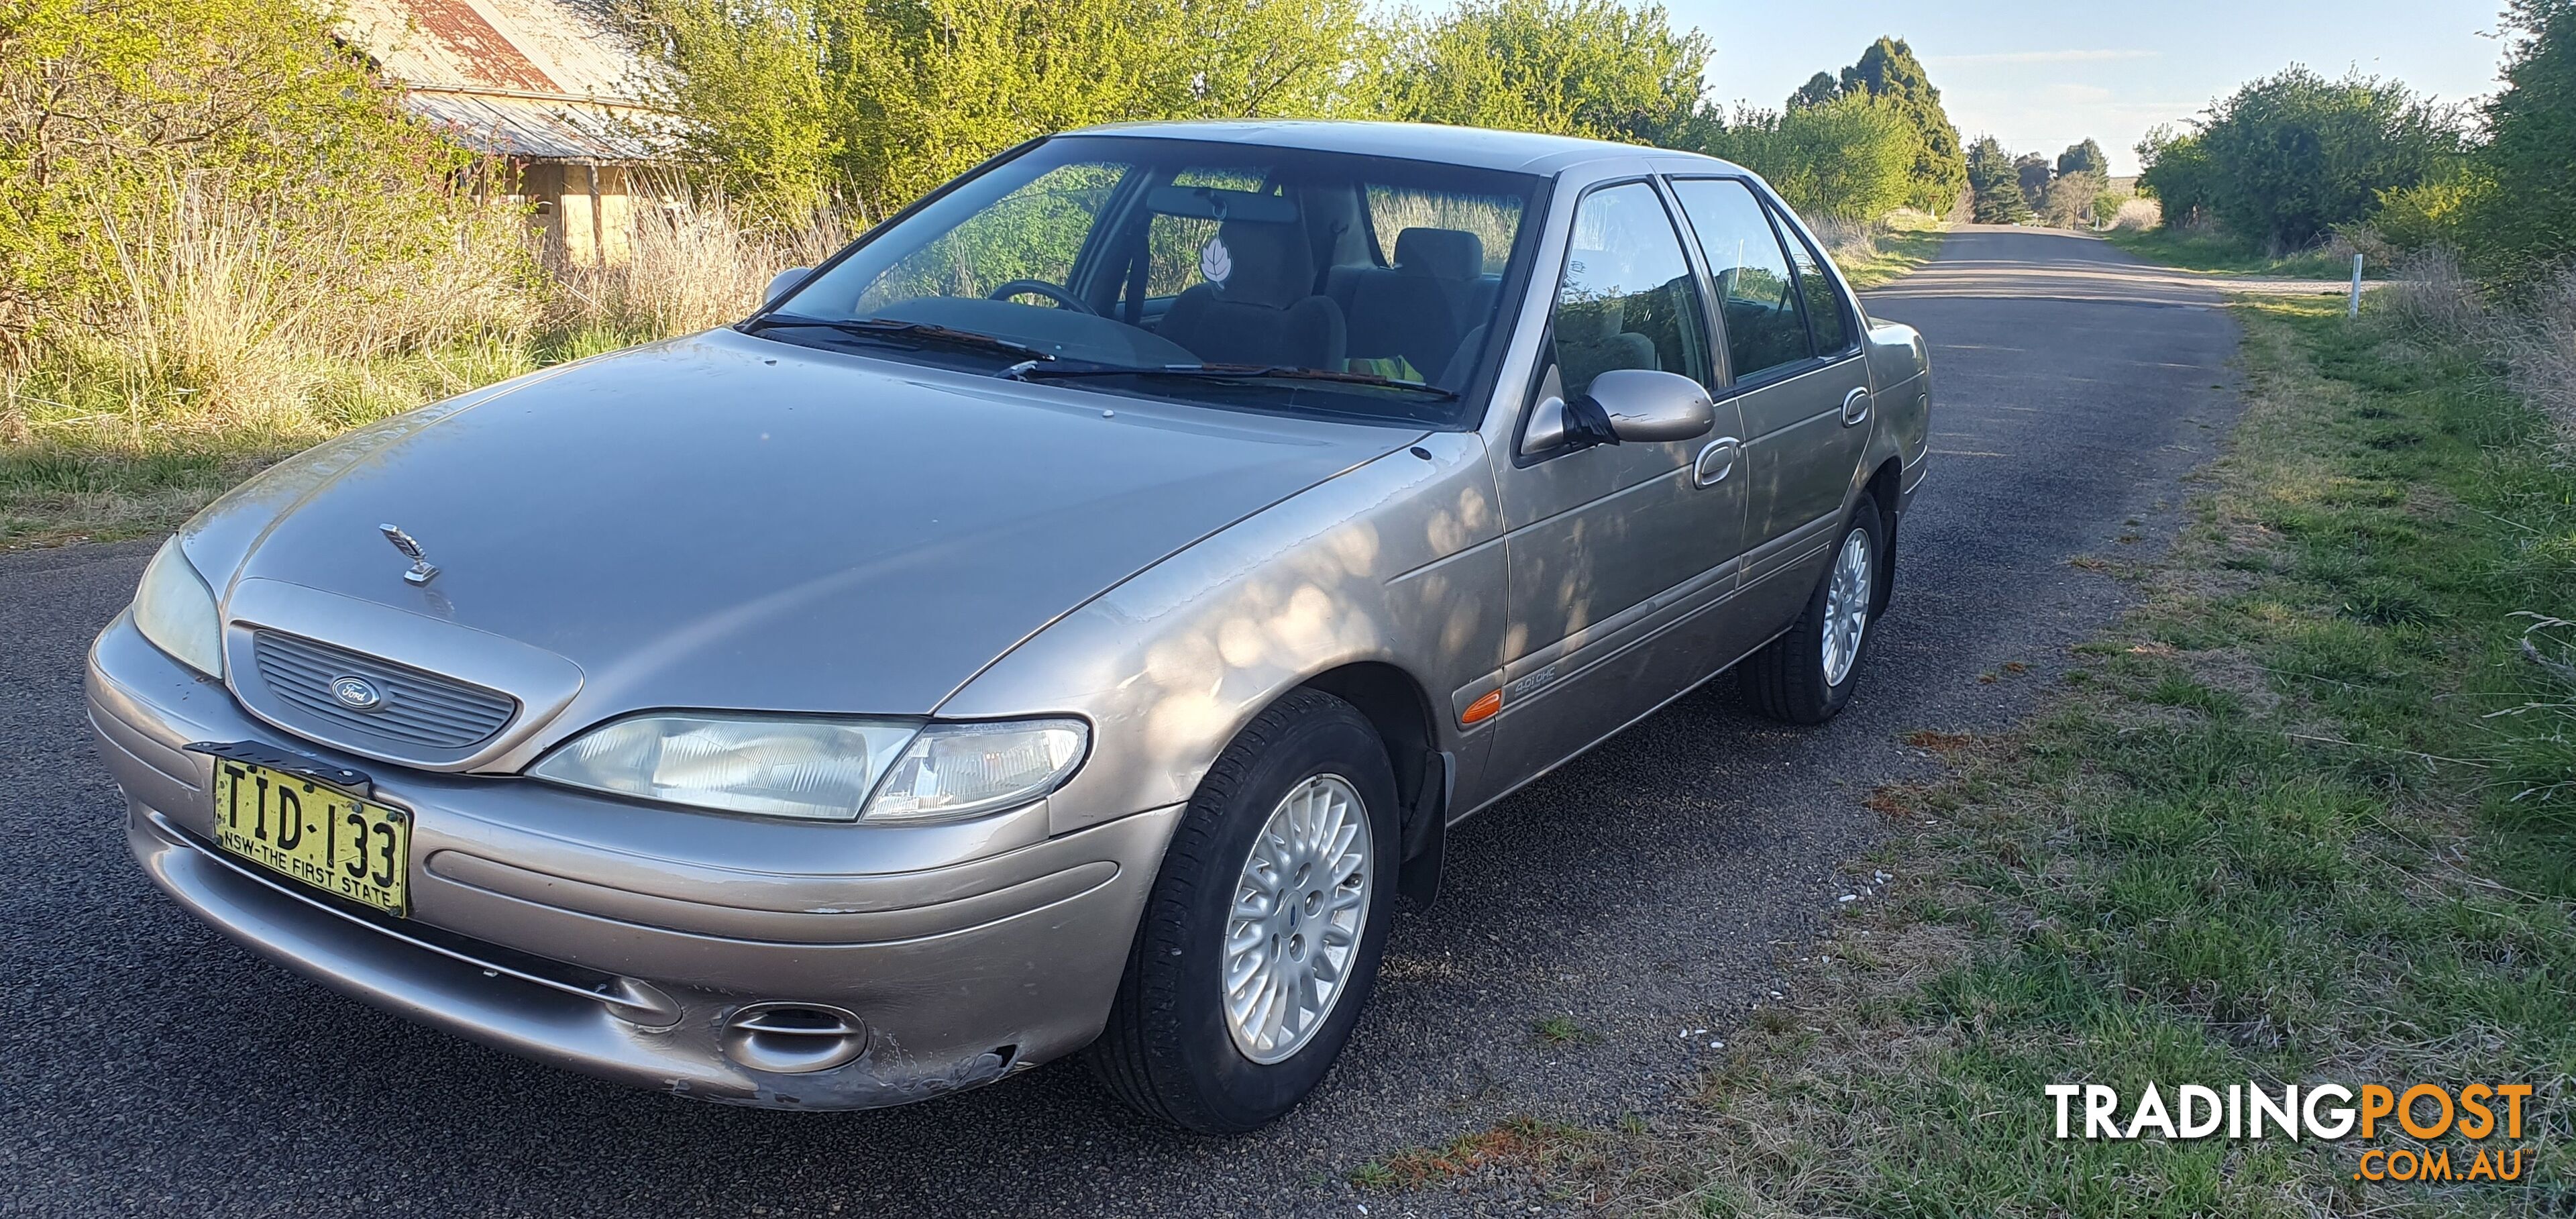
(148, 1066)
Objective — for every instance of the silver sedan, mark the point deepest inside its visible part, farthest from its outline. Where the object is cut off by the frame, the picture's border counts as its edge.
(1066, 621)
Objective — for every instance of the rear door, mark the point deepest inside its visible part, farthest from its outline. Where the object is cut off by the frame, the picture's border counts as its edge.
(1798, 375)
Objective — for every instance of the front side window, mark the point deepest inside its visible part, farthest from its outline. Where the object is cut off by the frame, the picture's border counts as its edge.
(1628, 298)
(1221, 274)
(1034, 231)
(1757, 295)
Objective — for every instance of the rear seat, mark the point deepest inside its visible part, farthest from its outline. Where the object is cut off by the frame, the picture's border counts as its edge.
(1419, 309)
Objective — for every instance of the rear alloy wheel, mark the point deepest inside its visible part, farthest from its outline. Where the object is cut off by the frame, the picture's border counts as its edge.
(1806, 676)
(1261, 939)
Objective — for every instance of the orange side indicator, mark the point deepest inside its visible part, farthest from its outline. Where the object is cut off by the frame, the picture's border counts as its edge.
(1482, 709)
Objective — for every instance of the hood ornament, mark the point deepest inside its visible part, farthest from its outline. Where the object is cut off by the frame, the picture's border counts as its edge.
(421, 568)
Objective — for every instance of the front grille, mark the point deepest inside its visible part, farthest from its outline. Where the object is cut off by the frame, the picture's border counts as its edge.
(418, 708)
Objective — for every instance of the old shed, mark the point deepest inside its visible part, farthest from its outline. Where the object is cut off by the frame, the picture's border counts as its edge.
(546, 84)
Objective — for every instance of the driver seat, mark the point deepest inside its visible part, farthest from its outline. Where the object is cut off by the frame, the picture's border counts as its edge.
(1264, 312)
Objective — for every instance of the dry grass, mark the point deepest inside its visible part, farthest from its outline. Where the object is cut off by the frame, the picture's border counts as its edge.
(2535, 347)
(231, 307)
(2136, 215)
(2540, 358)
(243, 328)
(693, 263)
(1522, 1144)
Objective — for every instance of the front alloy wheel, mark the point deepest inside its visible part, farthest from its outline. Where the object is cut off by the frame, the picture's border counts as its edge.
(1261, 938)
(1296, 921)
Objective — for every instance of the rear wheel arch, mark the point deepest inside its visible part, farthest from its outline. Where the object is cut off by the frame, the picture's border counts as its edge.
(1883, 486)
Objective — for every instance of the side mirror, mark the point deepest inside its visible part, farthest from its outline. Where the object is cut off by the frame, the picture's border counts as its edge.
(781, 282)
(1653, 406)
(1620, 405)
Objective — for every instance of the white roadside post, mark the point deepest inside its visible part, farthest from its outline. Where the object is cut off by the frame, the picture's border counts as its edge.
(2353, 308)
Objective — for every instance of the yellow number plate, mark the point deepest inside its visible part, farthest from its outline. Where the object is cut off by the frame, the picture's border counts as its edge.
(320, 835)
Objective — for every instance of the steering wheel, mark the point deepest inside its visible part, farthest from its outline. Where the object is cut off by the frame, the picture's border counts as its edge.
(1040, 287)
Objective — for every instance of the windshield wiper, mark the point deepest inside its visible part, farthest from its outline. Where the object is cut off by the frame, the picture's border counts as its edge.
(888, 328)
(1034, 371)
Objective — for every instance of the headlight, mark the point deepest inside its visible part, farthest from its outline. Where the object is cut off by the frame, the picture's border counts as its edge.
(959, 770)
(176, 611)
(822, 770)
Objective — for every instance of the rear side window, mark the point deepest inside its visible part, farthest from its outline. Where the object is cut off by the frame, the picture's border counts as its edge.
(1824, 304)
(1627, 299)
(1756, 292)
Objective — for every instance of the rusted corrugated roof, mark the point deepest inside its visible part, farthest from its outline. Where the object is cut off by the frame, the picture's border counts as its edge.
(551, 79)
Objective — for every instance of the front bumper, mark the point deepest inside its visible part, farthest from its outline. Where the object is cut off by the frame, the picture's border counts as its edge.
(658, 947)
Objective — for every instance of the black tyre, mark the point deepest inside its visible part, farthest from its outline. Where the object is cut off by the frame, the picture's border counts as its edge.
(1261, 939)
(1807, 675)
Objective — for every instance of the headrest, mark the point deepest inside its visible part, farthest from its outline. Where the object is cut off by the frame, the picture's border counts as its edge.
(1272, 264)
(1440, 253)
(1590, 321)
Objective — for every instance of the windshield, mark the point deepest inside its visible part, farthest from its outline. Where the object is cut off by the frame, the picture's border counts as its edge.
(1231, 275)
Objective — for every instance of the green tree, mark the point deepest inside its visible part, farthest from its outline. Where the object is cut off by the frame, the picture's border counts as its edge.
(1888, 69)
(1819, 89)
(2293, 155)
(1852, 156)
(2083, 158)
(2031, 170)
(2524, 222)
(1994, 185)
(1594, 68)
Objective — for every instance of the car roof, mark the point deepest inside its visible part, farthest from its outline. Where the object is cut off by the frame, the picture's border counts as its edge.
(1481, 148)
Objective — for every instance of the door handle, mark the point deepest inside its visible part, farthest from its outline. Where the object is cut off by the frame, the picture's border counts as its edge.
(1855, 406)
(1716, 461)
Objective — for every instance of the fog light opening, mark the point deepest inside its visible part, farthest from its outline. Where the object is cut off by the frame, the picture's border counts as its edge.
(791, 1038)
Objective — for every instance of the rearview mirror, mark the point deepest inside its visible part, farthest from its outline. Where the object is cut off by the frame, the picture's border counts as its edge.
(781, 282)
(1620, 405)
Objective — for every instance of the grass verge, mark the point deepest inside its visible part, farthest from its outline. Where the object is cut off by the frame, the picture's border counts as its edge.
(2224, 254)
(1896, 252)
(2291, 822)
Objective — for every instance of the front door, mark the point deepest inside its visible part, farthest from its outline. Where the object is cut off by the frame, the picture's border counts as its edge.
(1614, 546)
(1799, 378)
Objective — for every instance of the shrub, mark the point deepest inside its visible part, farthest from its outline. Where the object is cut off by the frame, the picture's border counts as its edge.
(2286, 158)
(106, 104)
(2433, 212)
(2177, 174)
(2524, 228)
(1594, 68)
(884, 99)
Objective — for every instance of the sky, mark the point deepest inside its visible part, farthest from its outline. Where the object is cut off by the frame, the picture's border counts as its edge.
(2041, 76)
